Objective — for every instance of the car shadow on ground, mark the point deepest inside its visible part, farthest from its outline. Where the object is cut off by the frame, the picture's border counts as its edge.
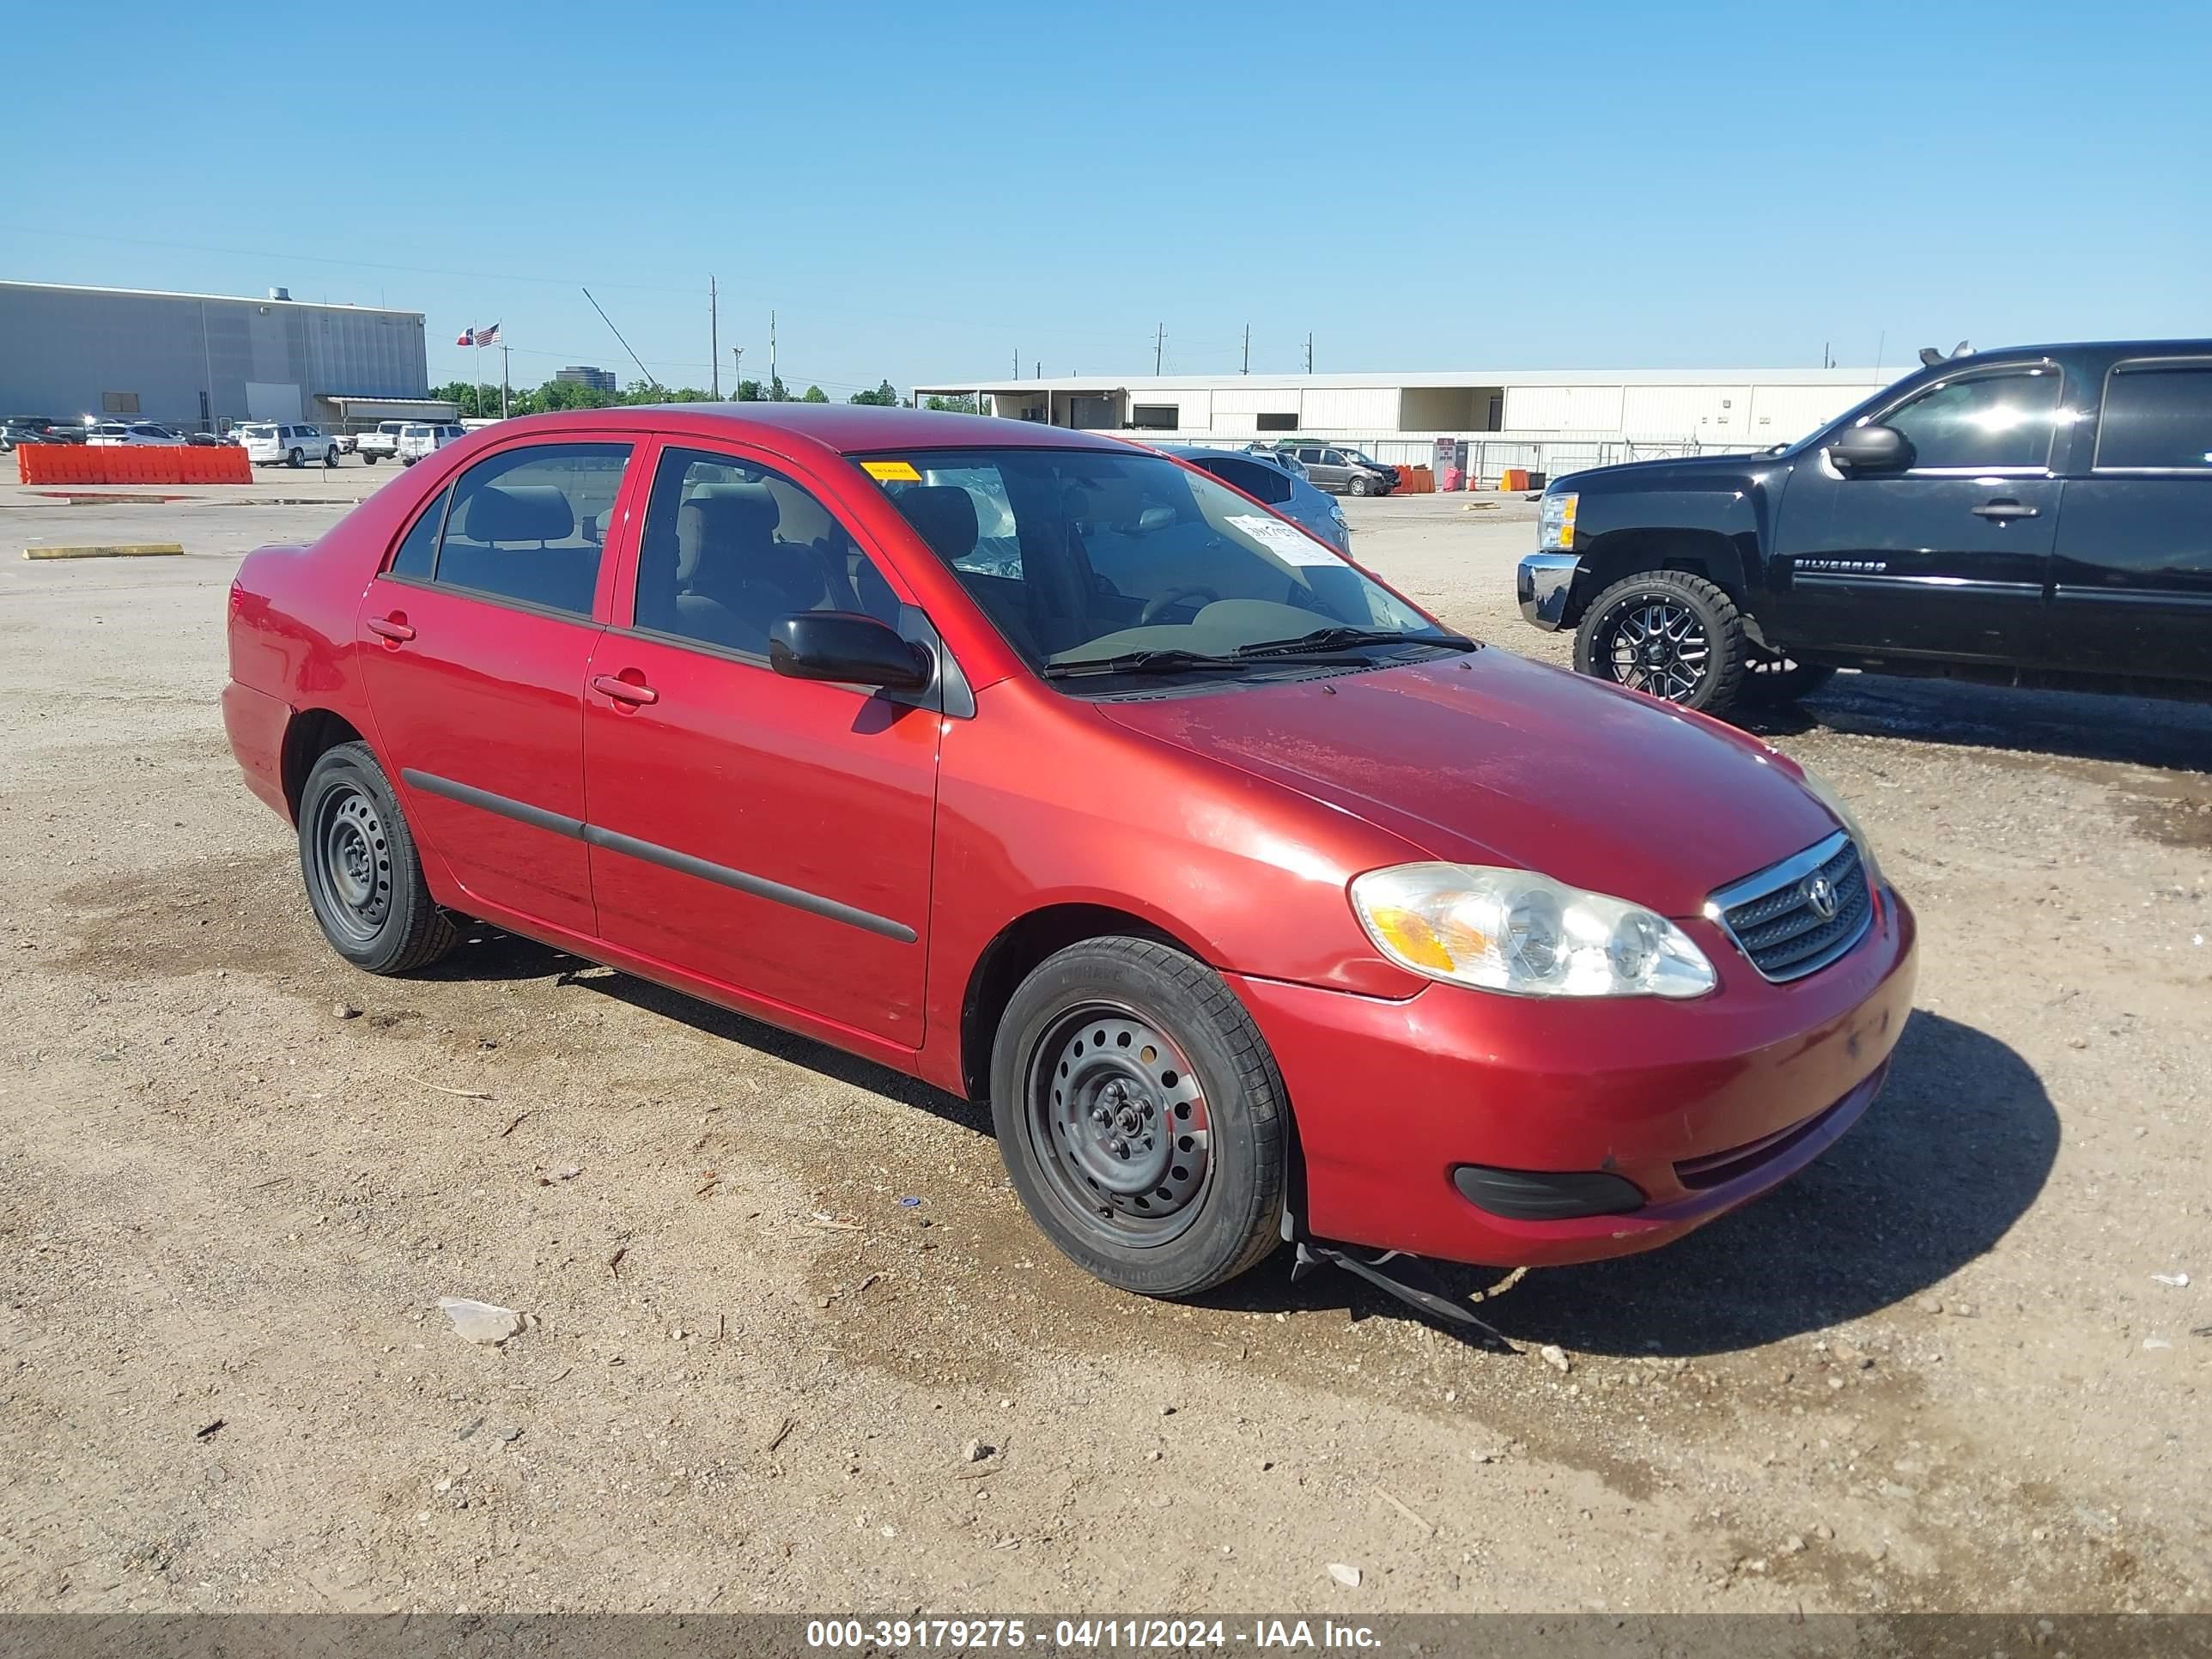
(2125, 731)
(1949, 1157)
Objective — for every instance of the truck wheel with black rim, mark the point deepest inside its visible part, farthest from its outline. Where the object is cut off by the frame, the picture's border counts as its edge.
(364, 877)
(1141, 1117)
(1772, 682)
(1667, 633)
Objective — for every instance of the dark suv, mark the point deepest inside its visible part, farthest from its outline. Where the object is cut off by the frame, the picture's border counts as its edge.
(2040, 515)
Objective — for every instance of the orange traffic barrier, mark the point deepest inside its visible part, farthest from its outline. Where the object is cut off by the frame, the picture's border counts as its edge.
(1513, 477)
(83, 463)
(1417, 481)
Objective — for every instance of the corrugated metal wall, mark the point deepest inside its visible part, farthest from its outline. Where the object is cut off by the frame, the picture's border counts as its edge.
(62, 348)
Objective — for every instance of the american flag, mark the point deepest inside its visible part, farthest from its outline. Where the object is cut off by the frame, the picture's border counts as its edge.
(479, 336)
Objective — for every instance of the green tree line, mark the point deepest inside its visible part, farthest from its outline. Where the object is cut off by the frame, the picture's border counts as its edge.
(482, 400)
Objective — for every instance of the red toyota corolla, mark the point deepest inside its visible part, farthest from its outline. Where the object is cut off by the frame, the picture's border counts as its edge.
(1054, 771)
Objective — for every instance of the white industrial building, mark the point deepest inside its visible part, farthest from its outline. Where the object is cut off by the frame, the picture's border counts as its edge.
(1544, 418)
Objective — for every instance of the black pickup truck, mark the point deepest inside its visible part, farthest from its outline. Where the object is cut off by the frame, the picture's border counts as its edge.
(2037, 516)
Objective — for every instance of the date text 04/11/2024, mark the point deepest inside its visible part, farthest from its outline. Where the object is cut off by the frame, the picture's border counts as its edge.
(1071, 1634)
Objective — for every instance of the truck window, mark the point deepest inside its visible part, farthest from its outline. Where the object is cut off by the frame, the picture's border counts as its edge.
(2001, 420)
(2157, 417)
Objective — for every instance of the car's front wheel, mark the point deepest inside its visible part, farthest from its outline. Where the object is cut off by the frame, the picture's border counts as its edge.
(1361, 485)
(364, 877)
(1141, 1116)
(329, 457)
(1669, 633)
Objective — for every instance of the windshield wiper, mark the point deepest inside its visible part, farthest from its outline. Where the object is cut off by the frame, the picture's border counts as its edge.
(1171, 662)
(1337, 639)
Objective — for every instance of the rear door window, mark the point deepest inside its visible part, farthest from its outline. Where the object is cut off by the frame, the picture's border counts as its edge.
(522, 525)
(2157, 417)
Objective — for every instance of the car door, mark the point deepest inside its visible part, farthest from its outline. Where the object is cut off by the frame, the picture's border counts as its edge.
(1949, 558)
(2132, 571)
(772, 836)
(476, 636)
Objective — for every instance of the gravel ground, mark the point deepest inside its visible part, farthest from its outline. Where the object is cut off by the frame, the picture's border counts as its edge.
(1940, 1371)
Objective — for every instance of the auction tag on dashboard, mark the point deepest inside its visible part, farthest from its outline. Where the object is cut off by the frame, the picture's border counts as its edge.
(1285, 540)
(892, 471)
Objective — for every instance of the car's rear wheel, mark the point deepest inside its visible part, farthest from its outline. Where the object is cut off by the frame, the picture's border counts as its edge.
(294, 459)
(1771, 681)
(364, 877)
(1667, 633)
(1141, 1117)
(371, 459)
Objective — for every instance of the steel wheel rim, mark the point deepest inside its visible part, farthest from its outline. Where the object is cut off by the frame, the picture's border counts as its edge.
(1119, 1125)
(352, 858)
(1656, 646)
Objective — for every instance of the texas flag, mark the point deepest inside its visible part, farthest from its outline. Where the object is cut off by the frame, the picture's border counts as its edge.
(479, 336)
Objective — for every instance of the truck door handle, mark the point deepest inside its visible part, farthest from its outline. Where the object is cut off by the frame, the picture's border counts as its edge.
(2005, 510)
(621, 691)
(394, 628)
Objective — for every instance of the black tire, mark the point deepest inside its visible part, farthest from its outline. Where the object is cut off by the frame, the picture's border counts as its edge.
(363, 875)
(1224, 1169)
(1772, 682)
(294, 459)
(369, 460)
(329, 457)
(407, 460)
(1667, 632)
(1361, 484)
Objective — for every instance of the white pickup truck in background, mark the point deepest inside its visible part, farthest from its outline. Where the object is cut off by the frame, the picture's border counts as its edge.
(381, 444)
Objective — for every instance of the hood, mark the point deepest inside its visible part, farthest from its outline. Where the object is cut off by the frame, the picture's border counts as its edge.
(1489, 758)
(1657, 474)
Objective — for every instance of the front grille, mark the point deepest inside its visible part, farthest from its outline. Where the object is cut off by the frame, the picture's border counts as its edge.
(1774, 918)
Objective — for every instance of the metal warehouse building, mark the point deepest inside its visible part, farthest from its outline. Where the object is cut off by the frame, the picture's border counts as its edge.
(197, 361)
(1535, 418)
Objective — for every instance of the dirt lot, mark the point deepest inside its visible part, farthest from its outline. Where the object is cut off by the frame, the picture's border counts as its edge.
(1937, 1372)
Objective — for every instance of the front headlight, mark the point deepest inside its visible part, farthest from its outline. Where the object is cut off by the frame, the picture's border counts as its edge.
(1555, 521)
(1516, 931)
(1824, 793)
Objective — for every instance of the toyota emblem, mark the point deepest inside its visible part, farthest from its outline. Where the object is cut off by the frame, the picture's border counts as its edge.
(1820, 894)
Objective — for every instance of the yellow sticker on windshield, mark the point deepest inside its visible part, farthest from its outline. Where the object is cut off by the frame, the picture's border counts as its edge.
(892, 471)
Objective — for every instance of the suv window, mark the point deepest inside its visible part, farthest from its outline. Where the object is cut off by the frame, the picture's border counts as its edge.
(523, 523)
(1333, 457)
(2001, 420)
(2157, 415)
(1256, 478)
(730, 547)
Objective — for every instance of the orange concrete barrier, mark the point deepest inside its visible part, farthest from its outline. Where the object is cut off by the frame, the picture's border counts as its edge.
(81, 464)
(1417, 481)
(1513, 477)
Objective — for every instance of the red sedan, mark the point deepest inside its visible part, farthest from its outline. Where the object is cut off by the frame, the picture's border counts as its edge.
(1257, 903)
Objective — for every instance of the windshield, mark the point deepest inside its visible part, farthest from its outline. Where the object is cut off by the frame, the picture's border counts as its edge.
(1081, 556)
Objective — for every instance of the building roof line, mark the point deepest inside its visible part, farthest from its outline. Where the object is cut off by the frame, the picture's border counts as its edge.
(226, 299)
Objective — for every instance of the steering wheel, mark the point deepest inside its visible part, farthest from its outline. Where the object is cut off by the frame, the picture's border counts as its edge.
(1161, 601)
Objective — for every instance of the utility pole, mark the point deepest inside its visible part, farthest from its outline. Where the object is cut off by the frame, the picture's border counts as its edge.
(1247, 369)
(1309, 354)
(1040, 368)
(713, 337)
(736, 372)
(1018, 363)
(771, 355)
(1159, 347)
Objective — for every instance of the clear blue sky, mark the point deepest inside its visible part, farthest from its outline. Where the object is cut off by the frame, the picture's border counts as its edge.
(920, 190)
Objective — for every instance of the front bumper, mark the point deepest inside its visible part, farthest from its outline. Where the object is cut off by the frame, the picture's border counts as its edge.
(1543, 584)
(1700, 1105)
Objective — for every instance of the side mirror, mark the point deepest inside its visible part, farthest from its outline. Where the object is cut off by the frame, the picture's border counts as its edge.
(1871, 449)
(848, 647)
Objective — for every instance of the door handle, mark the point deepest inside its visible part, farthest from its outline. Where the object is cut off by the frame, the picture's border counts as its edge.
(621, 691)
(2005, 511)
(390, 627)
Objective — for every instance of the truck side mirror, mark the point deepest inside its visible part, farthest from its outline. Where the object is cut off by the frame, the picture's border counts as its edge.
(1871, 449)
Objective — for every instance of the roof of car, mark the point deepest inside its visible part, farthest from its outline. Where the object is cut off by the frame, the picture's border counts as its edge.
(849, 428)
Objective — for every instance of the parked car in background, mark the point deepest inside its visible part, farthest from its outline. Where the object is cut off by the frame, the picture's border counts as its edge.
(1281, 458)
(1264, 479)
(293, 443)
(380, 445)
(420, 438)
(1342, 471)
(2036, 516)
(1256, 904)
(205, 440)
(113, 435)
(42, 428)
(13, 436)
